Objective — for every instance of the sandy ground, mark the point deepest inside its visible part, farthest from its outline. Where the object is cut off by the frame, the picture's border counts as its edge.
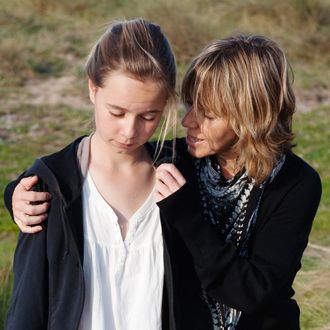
(63, 91)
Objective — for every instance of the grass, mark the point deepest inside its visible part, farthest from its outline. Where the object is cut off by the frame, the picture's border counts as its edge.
(7, 244)
(52, 36)
(312, 290)
(312, 282)
(313, 136)
(30, 132)
(43, 44)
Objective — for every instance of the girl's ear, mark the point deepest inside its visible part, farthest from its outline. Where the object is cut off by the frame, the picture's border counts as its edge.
(92, 90)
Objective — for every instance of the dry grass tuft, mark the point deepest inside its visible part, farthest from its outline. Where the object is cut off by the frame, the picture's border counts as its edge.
(313, 290)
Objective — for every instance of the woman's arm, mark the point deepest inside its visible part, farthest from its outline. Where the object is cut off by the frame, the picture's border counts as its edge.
(247, 283)
(27, 207)
(29, 301)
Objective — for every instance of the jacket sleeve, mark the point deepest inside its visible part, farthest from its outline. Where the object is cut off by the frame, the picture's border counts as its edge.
(274, 258)
(9, 190)
(29, 301)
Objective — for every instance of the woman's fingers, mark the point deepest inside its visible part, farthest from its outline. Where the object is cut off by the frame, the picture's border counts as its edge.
(163, 189)
(29, 207)
(29, 220)
(21, 194)
(28, 182)
(170, 175)
(168, 180)
(28, 229)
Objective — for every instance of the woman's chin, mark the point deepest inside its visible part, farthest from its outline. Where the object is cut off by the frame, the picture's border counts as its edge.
(196, 152)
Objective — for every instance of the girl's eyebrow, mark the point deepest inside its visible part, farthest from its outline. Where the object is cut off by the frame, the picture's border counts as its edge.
(117, 107)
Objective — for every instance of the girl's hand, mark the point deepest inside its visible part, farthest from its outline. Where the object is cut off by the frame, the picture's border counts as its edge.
(168, 180)
(29, 207)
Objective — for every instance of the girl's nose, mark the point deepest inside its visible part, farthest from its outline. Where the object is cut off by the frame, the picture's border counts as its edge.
(130, 129)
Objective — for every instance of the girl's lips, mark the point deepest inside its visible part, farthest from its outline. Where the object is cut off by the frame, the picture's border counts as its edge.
(124, 145)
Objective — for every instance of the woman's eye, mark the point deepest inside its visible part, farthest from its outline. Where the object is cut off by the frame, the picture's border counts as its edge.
(208, 116)
(188, 105)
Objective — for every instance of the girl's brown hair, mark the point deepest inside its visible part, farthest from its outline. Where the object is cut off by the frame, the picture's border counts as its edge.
(139, 49)
(245, 79)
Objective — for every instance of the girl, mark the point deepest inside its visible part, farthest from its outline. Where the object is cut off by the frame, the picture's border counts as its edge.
(98, 263)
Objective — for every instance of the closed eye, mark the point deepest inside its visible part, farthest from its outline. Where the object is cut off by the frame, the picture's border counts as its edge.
(188, 104)
(118, 115)
(148, 117)
(209, 117)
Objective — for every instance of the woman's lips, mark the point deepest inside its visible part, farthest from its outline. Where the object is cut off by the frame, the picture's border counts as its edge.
(192, 140)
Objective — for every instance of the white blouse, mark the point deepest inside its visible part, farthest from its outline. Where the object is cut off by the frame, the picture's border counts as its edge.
(123, 279)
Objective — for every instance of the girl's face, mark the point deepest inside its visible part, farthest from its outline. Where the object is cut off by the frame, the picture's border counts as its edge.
(208, 135)
(127, 111)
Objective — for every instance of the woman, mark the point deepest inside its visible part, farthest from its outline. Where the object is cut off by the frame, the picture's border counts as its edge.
(244, 234)
(237, 207)
(101, 249)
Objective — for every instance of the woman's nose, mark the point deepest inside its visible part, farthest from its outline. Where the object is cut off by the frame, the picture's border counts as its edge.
(189, 119)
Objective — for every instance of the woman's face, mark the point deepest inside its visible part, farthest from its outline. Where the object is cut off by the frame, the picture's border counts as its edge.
(208, 135)
(127, 111)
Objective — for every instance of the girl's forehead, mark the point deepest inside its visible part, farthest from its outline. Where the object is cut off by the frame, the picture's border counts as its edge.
(118, 80)
(120, 74)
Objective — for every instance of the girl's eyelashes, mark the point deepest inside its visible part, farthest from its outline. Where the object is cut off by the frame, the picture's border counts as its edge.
(116, 114)
(144, 117)
(148, 117)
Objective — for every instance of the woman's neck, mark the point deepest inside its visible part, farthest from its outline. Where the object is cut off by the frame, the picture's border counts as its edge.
(228, 165)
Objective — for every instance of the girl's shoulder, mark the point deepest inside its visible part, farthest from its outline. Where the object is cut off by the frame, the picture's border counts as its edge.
(60, 171)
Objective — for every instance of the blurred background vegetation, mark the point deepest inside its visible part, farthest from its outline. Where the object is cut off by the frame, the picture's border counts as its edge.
(44, 100)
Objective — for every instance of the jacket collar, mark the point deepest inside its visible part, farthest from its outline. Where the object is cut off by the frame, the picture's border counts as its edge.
(70, 166)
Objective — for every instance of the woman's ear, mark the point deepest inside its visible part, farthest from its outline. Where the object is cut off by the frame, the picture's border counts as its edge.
(92, 90)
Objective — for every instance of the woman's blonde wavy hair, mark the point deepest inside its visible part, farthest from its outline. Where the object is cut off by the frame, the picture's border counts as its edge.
(245, 79)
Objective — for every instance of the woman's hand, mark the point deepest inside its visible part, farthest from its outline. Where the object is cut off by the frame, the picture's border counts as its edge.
(29, 207)
(168, 180)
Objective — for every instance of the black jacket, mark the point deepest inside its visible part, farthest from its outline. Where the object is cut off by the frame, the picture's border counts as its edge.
(48, 276)
(260, 285)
